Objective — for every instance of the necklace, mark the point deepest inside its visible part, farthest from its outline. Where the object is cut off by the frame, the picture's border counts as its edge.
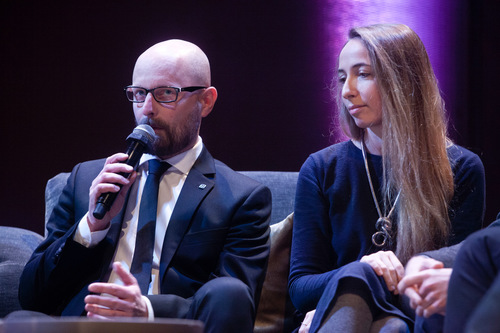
(384, 223)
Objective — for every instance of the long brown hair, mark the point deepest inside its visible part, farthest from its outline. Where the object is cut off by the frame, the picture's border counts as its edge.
(414, 136)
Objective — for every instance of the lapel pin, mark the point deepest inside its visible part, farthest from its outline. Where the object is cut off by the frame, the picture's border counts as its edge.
(202, 186)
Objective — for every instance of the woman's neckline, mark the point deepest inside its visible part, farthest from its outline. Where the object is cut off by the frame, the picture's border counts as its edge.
(357, 144)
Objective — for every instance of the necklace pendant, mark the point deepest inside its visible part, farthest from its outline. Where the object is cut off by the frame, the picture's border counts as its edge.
(379, 238)
(384, 227)
(384, 224)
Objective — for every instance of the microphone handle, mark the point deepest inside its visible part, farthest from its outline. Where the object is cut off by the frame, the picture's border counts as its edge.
(105, 201)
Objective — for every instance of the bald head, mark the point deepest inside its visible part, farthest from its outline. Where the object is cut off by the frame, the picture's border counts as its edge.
(184, 63)
(180, 64)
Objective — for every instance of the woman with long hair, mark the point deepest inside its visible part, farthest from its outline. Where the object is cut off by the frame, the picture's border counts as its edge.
(397, 188)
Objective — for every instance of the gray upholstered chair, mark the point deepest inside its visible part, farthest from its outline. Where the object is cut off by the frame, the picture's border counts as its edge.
(282, 185)
(16, 246)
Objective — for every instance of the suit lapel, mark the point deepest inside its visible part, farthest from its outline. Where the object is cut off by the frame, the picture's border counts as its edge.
(198, 185)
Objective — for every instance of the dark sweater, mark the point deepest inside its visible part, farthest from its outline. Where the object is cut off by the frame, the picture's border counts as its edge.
(335, 214)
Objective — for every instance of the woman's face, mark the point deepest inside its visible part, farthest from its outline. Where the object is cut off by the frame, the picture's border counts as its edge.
(360, 93)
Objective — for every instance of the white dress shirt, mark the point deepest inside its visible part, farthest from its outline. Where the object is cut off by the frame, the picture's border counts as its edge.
(171, 184)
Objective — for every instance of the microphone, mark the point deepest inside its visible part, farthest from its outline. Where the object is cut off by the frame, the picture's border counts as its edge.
(139, 141)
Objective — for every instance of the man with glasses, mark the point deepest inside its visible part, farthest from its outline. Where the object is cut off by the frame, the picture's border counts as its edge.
(211, 238)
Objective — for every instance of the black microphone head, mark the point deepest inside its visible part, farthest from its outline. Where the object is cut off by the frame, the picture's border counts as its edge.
(145, 134)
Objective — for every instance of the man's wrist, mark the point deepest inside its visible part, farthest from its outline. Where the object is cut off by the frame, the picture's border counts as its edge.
(85, 236)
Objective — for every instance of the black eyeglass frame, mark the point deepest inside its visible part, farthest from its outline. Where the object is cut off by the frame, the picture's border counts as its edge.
(177, 91)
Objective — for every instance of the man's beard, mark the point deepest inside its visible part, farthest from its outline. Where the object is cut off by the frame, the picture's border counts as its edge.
(173, 140)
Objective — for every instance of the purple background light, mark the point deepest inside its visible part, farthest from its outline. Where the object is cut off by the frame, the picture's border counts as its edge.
(435, 21)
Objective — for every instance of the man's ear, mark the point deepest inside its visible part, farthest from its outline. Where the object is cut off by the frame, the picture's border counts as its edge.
(208, 98)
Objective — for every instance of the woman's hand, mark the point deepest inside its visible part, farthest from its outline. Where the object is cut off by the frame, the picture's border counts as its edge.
(387, 265)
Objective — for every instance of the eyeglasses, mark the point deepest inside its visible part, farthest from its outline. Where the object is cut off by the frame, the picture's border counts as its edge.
(160, 94)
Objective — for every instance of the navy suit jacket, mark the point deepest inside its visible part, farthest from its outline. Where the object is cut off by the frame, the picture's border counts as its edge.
(220, 228)
(448, 254)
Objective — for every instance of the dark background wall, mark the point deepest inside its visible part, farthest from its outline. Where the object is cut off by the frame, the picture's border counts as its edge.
(63, 66)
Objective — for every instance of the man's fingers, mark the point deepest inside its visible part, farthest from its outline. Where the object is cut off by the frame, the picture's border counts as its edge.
(415, 299)
(411, 280)
(110, 289)
(115, 158)
(127, 278)
(433, 308)
(97, 287)
(437, 265)
(94, 310)
(421, 263)
(419, 311)
(108, 302)
(96, 316)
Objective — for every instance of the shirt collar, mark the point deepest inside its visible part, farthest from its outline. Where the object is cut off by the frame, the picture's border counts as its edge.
(182, 162)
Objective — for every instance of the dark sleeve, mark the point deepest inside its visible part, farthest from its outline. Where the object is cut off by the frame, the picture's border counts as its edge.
(447, 254)
(311, 258)
(468, 204)
(59, 267)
